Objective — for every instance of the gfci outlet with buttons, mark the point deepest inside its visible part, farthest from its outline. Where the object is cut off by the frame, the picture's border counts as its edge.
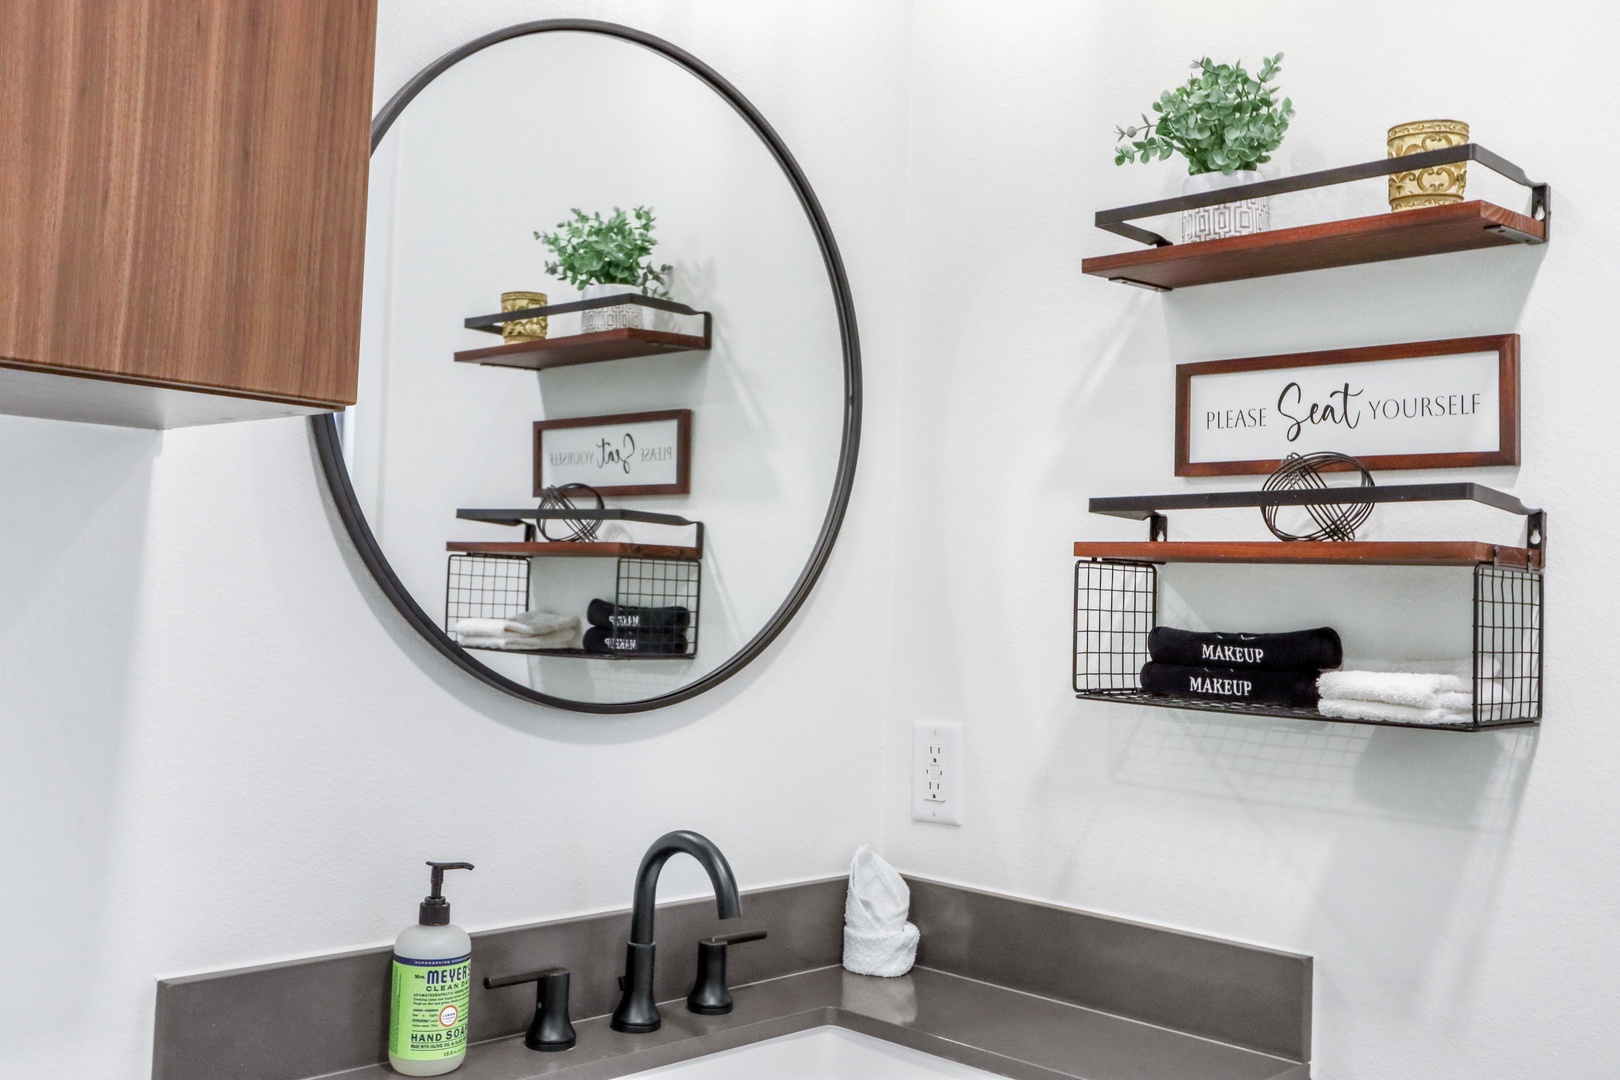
(936, 772)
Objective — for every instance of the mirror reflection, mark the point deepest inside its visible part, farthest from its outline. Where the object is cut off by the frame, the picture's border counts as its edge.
(606, 502)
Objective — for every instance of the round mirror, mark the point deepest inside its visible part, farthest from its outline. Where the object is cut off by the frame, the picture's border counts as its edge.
(609, 384)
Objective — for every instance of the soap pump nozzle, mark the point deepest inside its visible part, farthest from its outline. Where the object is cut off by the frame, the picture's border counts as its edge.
(435, 910)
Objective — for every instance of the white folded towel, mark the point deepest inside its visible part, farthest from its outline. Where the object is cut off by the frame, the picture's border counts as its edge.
(877, 938)
(1489, 666)
(1415, 690)
(1384, 712)
(563, 639)
(529, 624)
(541, 621)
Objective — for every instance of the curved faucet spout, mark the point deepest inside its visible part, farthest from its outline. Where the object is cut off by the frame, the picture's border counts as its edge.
(637, 1013)
(702, 849)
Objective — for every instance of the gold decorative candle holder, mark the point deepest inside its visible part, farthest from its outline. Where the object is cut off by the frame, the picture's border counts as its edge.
(1433, 186)
(523, 329)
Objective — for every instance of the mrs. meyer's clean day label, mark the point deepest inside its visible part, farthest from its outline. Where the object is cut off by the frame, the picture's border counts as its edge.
(429, 1019)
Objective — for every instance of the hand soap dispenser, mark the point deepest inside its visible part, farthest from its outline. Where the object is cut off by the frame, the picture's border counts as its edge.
(427, 1021)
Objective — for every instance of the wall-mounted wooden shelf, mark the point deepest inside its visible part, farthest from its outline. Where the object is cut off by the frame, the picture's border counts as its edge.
(1351, 553)
(576, 550)
(621, 344)
(1431, 230)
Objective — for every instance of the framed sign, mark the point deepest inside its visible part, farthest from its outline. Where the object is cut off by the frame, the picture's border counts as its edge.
(645, 453)
(1449, 404)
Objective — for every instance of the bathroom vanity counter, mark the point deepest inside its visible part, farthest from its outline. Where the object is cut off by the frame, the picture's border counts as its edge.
(988, 1027)
(1005, 985)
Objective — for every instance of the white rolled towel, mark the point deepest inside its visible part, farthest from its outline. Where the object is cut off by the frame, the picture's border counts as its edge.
(877, 938)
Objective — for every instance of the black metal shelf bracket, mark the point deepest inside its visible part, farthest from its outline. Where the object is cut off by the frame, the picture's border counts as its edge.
(1117, 221)
(1146, 507)
(611, 513)
(491, 324)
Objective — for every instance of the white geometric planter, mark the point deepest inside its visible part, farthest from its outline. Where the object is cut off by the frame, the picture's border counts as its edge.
(621, 316)
(1223, 219)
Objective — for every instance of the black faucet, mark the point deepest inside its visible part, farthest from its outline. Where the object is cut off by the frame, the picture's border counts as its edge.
(637, 1013)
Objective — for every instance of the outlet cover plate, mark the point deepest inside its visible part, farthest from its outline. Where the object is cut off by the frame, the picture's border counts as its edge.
(936, 772)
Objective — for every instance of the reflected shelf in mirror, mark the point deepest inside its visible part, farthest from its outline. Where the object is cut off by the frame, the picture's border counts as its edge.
(618, 343)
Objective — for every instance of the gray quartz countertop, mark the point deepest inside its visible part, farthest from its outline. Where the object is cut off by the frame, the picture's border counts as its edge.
(988, 1027)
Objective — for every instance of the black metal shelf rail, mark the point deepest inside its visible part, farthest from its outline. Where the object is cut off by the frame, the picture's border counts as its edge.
(1151, 508)
(1117, 221)
(491, 324)
(612, 513)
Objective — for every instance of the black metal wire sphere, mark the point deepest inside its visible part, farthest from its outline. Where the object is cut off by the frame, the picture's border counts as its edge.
(562, 498)
(1334, 521)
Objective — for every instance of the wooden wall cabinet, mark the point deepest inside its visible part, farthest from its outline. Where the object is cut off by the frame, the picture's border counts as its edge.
(182, 207)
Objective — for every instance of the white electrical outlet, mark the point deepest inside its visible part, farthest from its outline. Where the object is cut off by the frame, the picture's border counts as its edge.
(936, 772)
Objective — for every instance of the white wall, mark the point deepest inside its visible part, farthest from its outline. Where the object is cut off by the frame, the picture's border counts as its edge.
(209, 710)
(1460, 892)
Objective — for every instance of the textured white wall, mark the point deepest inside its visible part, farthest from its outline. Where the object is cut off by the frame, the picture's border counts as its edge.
(1460, 892)
(210, 713)
(221, 746)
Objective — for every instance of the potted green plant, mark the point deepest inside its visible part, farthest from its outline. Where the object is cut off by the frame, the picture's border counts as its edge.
(606, 257)
(1226, 123)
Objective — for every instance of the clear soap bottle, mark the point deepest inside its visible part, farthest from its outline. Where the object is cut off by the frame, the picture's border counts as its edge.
(427, 1019)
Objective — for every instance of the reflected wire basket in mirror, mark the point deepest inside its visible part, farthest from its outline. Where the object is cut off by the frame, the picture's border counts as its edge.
(1334, 521)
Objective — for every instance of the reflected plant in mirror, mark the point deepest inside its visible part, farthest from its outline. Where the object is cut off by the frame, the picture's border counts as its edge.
(592, 250)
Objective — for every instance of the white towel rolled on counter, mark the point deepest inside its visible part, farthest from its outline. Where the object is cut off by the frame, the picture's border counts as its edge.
(877, 938)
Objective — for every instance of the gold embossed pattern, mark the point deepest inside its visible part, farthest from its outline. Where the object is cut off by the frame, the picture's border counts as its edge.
(1427, 187)
(523, 329)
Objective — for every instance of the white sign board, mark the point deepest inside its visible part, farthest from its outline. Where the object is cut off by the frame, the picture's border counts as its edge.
(1425, 405)
(632, 454)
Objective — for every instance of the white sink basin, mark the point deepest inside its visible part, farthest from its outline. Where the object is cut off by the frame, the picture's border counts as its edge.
(824, 1053)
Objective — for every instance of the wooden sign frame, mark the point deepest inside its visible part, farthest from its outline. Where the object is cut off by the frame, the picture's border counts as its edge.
(1506, 346)
(683, 449)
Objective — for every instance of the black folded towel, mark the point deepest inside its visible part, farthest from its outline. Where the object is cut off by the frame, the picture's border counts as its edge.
(1300, 650)
(600, 639)
(1294, 688)
(624, 617)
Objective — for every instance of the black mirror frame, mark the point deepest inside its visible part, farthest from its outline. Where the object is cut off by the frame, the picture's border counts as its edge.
(325, 429)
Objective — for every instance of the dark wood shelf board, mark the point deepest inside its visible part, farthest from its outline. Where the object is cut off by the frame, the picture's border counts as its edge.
(1431, 230)
(577, 550)
(1350, 553)
(1167, 701)
(582, 654)
(621, 344)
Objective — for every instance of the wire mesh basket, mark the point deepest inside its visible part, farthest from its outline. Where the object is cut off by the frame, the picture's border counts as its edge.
(1116, 606)
(486, 586)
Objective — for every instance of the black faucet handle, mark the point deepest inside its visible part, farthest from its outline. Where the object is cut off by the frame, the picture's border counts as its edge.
(551, 1030)
(710, 995)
